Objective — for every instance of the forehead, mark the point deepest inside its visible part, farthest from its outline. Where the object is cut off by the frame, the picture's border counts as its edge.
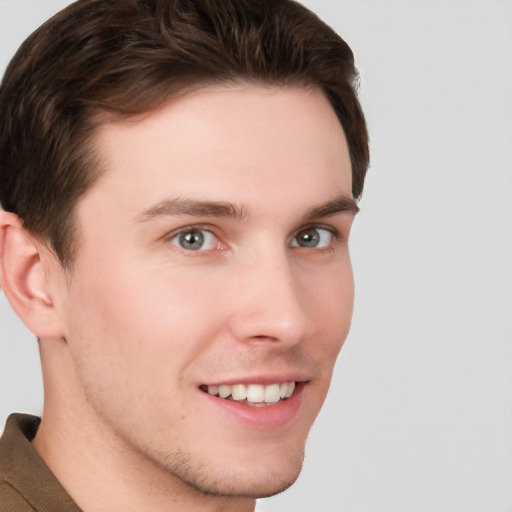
(221, 143)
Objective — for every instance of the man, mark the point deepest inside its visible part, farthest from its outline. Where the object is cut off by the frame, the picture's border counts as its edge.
(179, 180)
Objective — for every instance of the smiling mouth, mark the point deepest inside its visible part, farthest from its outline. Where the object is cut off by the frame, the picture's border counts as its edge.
(254, 395)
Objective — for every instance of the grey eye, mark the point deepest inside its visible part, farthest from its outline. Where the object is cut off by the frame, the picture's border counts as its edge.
(313, 238)
(194, 240)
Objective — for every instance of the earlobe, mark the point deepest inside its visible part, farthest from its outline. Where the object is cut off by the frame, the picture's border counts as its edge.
(23, 278)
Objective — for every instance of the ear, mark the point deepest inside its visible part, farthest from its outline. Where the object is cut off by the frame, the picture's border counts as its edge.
(23, 278)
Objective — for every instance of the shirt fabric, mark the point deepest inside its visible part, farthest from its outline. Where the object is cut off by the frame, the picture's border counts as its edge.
(26, 482)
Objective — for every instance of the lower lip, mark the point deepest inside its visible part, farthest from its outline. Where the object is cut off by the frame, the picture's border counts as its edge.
(266, 417)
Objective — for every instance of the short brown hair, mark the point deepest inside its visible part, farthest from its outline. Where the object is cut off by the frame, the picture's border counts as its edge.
(128, 57)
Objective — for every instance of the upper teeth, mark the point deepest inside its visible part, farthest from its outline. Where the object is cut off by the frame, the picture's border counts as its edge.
(254, 393)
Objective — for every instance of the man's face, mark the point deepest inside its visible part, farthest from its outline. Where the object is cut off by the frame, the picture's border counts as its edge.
(213, 258)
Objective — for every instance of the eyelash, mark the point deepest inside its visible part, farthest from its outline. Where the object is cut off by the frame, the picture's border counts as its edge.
(334, 233)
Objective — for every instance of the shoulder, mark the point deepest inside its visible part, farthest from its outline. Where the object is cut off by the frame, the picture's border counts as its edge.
(11, 500)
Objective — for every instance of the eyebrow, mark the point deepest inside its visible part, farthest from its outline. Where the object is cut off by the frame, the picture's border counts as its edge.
(197, 208)
(335, 206)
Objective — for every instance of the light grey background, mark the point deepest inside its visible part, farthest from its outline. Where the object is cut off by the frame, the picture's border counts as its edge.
(419, 415)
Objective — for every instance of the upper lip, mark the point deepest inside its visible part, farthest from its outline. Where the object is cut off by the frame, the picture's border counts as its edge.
(264, 379)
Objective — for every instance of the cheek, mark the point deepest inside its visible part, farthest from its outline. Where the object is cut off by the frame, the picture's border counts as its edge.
(153, 317)
(132, 338)
(332, 305)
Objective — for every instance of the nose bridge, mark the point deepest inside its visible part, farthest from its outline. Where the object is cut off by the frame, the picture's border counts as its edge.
(271, 305)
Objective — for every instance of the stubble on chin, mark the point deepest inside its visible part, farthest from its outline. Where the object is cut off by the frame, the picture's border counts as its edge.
(210, 481)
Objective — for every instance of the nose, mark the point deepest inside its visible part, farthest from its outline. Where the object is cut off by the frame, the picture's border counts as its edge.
(271, 303)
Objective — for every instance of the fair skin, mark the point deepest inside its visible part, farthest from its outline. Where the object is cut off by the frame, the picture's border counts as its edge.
(212, 252)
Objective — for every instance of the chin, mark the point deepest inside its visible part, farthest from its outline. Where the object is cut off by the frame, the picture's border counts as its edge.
(272, 483)
(244, 479)
(254, 488)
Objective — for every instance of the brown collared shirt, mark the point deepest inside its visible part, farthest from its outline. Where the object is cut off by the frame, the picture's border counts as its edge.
(26, 482)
